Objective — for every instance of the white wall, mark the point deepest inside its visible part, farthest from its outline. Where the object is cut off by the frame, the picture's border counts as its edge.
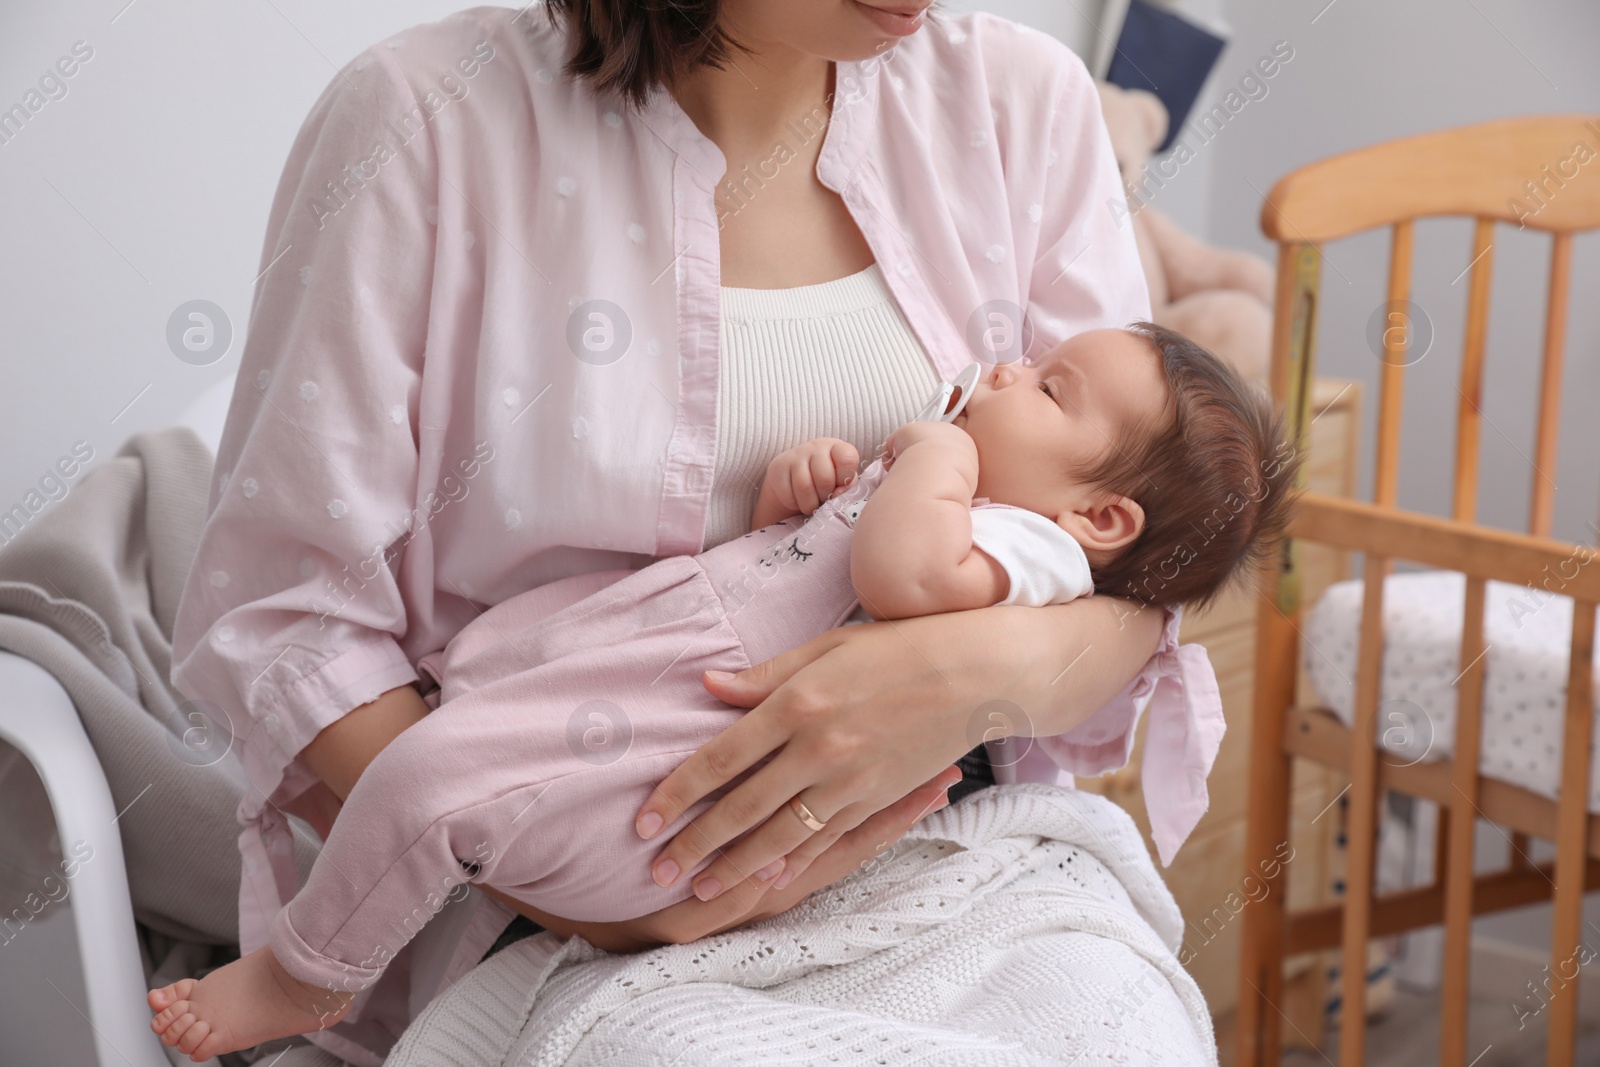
(1371, 70)
(147, 185)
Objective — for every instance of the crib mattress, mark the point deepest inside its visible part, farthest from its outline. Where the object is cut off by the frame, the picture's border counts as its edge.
(1529, 634)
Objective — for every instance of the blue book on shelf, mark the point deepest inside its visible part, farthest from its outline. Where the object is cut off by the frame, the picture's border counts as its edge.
(1167, 54)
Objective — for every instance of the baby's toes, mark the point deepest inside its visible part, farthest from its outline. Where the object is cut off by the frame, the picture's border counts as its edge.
(164, 1018)
(192, 1038)
(167, 994)
(213, 1045)
(182, 1020)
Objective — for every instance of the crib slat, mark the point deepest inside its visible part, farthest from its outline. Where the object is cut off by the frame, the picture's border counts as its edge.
(1363, 822)
(1572, 820)
(1361, 836)
(1520, 844)
(1463, 824)
(1471, 390)
(1441, 842)
(1391, 378)
(1555, 337)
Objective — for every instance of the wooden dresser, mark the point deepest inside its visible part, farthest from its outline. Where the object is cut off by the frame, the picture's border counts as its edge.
(1208, 876)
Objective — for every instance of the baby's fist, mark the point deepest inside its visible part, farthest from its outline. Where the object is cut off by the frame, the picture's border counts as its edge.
(803, 477)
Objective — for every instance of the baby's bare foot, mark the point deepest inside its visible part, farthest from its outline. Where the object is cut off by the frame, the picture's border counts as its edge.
(251, 1000)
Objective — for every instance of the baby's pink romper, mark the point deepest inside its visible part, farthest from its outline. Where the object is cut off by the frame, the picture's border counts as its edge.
(560, 710)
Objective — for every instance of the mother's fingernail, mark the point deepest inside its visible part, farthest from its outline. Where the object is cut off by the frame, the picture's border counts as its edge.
(665, 873)
(767, 873)
(706, 888)
(649, 824)
(720, 676)
(783, 879)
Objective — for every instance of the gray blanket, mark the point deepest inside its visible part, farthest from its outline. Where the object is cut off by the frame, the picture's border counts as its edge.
(89, 590)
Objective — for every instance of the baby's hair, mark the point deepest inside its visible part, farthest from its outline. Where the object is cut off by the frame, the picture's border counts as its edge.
(1216, 482)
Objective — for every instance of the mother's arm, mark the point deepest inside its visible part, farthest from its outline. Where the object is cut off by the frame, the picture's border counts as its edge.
(861, 715)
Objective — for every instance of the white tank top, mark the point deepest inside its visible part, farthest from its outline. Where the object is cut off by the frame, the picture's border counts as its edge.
(835, 359)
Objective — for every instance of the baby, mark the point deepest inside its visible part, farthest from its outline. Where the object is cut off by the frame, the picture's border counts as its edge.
(1124, 462)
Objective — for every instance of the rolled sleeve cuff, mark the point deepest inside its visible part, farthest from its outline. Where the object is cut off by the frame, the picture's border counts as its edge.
(304, 708)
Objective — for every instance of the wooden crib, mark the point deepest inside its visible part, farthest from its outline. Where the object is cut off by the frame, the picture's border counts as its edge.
(1480, 172)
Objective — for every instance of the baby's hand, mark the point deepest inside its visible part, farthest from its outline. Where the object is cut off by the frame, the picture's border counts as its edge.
(801, 478)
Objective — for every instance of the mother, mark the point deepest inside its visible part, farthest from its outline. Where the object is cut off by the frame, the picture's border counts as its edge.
(489, 350)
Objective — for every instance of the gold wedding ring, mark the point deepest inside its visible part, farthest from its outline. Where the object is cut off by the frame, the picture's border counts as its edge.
(804, 814)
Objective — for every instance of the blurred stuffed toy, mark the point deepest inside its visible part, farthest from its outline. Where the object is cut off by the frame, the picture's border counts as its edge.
(1218, 297)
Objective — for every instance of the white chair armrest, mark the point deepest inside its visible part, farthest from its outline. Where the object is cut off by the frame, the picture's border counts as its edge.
(38, 718)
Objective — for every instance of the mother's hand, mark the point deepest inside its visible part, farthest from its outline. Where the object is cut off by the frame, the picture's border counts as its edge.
(858, 717)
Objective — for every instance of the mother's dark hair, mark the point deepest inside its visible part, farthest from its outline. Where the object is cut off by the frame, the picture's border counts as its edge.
(632, 46)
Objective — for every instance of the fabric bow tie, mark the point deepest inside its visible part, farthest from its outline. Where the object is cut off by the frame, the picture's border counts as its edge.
(1182, 736)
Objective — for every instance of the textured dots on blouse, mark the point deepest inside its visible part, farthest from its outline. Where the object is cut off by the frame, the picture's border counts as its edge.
(995, 254)
(580, 428)
(469, 239)
(979, 139)
(1050, 160)
(636, 233)
(394, 44)
(338, 508)
(397, 414)
(566, 186)
(613, 119)
(957, 35)
(364, 62)
(305, 275)
(1035, 212)
(249, 487)
(364, 294)
(511, 395)
(513, 518)
(226, 633)
(219, 578)
(904, 267)
(544, 76)
(308, 390)
(262, 378)
(653, 347)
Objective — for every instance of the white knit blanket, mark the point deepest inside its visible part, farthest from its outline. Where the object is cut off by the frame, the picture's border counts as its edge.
(1024, 924)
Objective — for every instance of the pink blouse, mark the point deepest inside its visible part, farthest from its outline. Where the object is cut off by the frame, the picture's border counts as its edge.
(483, 350)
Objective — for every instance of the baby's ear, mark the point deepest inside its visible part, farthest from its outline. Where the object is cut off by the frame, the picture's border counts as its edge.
(1109, 524)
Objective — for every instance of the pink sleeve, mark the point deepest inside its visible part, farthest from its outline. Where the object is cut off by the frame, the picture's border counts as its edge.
(1179, 688)
(291, 611)
(1086, 268)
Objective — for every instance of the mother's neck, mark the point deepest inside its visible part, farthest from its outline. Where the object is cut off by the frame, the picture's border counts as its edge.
(749, 104)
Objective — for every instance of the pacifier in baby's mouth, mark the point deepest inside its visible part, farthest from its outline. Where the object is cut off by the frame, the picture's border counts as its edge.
(948, 400)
